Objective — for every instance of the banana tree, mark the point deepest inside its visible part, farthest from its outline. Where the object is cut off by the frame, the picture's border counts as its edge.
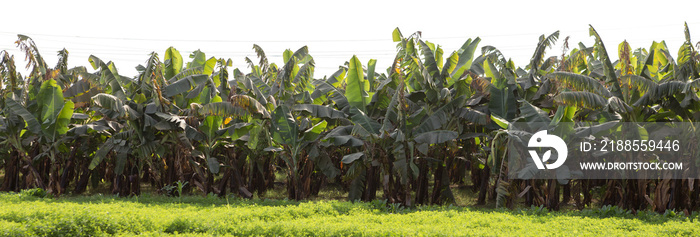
(45, 112)
(297, 139)
(260, 161)
(627, 97)
(291, 85)
(149, 121)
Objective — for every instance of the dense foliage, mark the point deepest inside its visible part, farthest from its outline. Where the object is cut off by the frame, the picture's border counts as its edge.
(429, 121)
(24, 215)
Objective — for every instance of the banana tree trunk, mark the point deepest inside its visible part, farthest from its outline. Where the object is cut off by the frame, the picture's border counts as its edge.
(84, 177)
(553, 195)
(483, 185)
(224, 182)
(35, 179)
(370, 192)
(422, 189)
(442, 192)
(11, 180)
(566, 196)
(68, 172)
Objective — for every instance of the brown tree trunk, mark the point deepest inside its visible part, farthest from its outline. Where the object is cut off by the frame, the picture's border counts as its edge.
(68, 171)
(34, 178)
(134, 184)
(586, 189)
(442, 192)
(83, 179)
(11, 180)
(530, 195)
(438, 184)
(371, 182)
(238, 182)
(224, 182)
(553, 195)
(483, 185)
(567, 193)
(422, 189)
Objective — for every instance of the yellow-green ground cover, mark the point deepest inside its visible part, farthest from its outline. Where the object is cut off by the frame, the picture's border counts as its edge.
(25, 215)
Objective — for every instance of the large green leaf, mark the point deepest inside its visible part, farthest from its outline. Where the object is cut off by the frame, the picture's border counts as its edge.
(110, 76)
(80, 91)
(210, 126)
(544, 43)
(391, 117)
(466, 54)
(320, 111)
(349, 158)
(357, 87)
(364, 125)
(501, 122)
(303, 76)
(120, 162)
(50, 100)
(564, 113)
(252, 105)
(341, 136)
(431, 65)
(118, 143)
(450, 66)
(610, 76)
(440, 116)
(664, 90)
(101, 153)
(213, 164)
(324, 88)
(173, 62)
(638, 83)
(209, 66)
(170, 122)
(474, 116)
(257, 86)
(502, 102)
(371, 65)
(583, 99)
(618, 105)
(95, 62)
(284, 127)
(533, 114)
(224, 109)
(31, 121)
(185, 73)
(199, 61)
(396, 35)
(323, 162)
(358, 173)
(314, 132)
(238, 130)
(291, 68)
(199, 58)
(60, 126)
(185, 84)
(436, 137)
(109, 102)
(580, 82)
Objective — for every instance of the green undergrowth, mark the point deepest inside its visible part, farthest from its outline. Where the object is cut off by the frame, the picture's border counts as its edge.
(25, 214)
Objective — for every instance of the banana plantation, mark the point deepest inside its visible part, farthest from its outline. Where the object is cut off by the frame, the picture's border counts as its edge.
(407, 134)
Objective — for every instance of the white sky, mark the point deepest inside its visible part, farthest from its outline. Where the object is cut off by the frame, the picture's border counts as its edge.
(125, 32)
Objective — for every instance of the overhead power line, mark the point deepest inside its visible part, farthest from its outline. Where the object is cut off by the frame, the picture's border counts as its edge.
(314, 40)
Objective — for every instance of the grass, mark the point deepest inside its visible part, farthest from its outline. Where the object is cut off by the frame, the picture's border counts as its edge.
(26, 215)
(464, 196)
(327, 214)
